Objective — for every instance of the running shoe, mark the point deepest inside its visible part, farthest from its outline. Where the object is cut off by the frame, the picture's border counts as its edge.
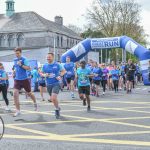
(72, 95)
(17, 113)
(57, 113)
(35, 107)
(88, 108)
(84, 102)
(7, 108)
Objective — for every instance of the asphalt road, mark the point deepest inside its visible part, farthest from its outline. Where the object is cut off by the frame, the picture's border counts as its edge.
(117, 121)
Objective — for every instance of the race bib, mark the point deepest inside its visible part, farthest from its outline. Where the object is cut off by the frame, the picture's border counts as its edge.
(51, 75)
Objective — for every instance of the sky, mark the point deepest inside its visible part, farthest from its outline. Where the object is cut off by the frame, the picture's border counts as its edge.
(72, 11)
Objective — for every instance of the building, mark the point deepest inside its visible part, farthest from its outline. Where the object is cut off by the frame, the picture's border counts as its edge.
(36, 35)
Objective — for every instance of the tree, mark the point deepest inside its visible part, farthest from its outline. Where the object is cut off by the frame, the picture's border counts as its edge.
(75, 28)
(93, 34)
(116, 18)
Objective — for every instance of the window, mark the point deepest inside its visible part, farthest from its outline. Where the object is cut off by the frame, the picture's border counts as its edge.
(61, 41)
(67, 42)
(57, 40)
(20, 40)
(2, 40)
(10, 40)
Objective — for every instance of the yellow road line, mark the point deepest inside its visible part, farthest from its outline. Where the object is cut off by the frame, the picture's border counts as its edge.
(51, 122)
(74, 121)
(107, 134)
(116, 109)
(32, 131)
(81, 140)
(128, 124)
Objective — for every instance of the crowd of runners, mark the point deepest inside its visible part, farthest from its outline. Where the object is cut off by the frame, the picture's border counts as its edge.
(88, 78)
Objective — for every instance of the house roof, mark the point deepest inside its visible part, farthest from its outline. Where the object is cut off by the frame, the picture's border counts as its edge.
(31, 21)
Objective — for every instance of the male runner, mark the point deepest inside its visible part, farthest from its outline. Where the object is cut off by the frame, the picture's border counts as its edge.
(21, 65)
(53, 72)
(130, 70)
(70, 75)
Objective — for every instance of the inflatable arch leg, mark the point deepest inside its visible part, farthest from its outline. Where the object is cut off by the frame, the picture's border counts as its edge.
(82, 48)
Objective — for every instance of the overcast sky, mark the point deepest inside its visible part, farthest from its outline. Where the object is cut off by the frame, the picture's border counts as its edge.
(71, 10)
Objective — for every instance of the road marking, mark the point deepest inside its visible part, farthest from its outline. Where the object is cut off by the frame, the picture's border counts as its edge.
(128, 124)
(107, 134)
(122, 109)
(32, 131)
(51, 122)
(81, 140)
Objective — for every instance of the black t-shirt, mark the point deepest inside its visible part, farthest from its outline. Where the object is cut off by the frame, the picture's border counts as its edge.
(130, 69)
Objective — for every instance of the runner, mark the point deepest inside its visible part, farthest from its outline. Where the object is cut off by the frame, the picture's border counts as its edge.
(3, 86)
(35, 79)
(105, 72)
(129, 70)
(53, 73)
(21, 65)
(97, 77)
(115, 77)
(83, 75)
(41, 83)
(110, 82)
(90, 65)
(70, 75)
(123, 78)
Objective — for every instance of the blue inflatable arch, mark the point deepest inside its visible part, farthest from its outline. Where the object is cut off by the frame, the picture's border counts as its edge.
(124, 42)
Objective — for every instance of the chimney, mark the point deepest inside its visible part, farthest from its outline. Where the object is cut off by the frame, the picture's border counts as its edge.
(59, 20)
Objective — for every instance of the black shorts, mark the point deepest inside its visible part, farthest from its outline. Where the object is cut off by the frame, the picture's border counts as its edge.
(84, 90)
(42, 84)
(130, 78)
(69, 79)
(97, 82)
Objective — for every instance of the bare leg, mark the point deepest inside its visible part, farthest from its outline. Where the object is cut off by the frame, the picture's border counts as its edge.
(16, 99)
(54, 100)
(88, 100)
(32, 97)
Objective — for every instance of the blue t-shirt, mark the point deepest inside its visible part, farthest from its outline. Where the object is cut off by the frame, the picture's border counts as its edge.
(20, 73)
(35, 75)
(83, 80)
(2, 75)
(99, 72)
(115, 74)
(69, 67)
(53, 71)
(123, 70)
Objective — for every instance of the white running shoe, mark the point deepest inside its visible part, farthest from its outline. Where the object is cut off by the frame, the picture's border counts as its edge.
(17, 113)
(103, 93)
(35, 107)
(7, 108)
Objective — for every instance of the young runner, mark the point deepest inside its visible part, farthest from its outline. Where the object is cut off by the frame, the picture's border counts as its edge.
(83, 74)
